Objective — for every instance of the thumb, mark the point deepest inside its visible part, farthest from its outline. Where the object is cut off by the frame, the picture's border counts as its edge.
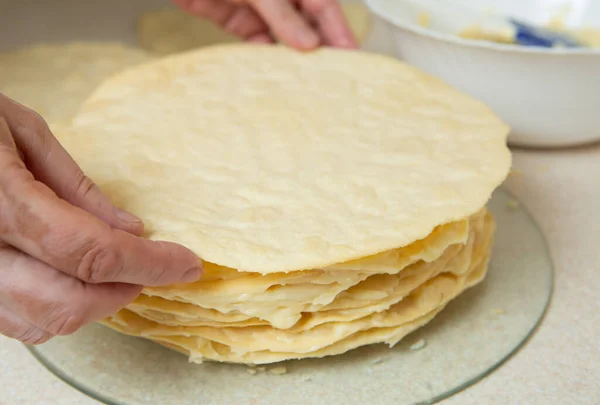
(50, 164)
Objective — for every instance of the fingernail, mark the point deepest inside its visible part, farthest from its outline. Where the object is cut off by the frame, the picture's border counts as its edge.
(307, 39)
(126, 216)
(191, 275)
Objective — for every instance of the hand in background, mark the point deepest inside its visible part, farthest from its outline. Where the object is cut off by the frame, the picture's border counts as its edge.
(302, 24)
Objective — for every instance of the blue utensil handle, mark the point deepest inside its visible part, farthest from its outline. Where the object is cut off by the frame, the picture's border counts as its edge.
(529, 35)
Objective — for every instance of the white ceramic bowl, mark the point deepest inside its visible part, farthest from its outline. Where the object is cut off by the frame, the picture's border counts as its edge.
(550, 97)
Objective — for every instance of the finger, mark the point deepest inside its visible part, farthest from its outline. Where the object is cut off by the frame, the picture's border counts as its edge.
(50, 163)
(260, 39)
(15, 327)
(44, 298)
(332, 24)
(218, 11)
(286, 23)
(238, 20)
(34, 220)
(245, 23)
(6, 140)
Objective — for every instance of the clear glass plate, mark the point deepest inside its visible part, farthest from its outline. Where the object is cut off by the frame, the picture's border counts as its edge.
(468, 340)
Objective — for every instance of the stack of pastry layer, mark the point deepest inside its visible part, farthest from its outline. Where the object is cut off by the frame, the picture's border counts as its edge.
(336, 197)
(255, 318)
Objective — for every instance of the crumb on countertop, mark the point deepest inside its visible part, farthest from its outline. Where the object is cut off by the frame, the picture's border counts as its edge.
(418, 345)
(512, 204)
(278, 370)
(515, 173)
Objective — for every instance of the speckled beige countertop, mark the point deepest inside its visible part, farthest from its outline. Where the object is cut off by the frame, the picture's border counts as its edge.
(559, 365)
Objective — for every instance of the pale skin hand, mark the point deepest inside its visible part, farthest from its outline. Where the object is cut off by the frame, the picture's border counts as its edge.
(302, 24)
(67, 256)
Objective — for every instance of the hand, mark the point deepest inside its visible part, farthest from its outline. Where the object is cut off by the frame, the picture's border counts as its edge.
(302, 24)
(67, 256)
